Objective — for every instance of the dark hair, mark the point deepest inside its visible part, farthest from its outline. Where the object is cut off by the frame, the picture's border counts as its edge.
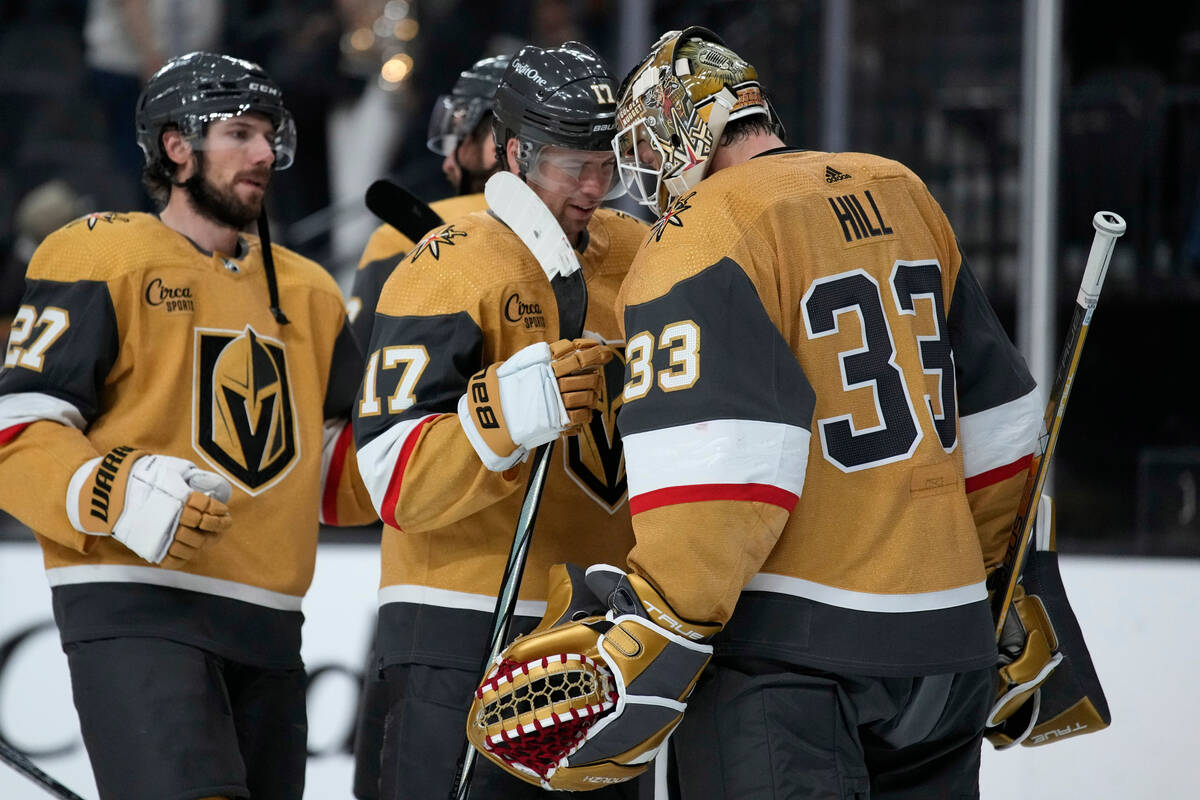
(157, 177)
(744, 128)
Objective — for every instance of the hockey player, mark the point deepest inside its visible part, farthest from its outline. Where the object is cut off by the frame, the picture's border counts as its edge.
(460, 130)
(180, 399)
(470, 298)
(826, 432)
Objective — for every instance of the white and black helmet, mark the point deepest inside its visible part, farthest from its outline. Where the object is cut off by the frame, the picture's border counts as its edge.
(193, 90)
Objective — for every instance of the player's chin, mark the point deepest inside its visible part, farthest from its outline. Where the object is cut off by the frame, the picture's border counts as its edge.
(581, 212)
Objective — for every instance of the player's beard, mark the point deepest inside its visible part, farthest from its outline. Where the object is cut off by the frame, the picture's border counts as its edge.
(222, 206)
(472, 181)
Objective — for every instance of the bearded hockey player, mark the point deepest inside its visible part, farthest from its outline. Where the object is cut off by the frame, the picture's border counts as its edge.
(460, 130)
(445, 467)
(177, 395)
(826, 432)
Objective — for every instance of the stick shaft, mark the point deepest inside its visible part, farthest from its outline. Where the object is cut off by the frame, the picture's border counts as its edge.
(1109, 228)
(18, 761)
(506, 600)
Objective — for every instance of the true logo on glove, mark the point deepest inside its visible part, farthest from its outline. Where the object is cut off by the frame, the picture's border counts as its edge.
(105, 474)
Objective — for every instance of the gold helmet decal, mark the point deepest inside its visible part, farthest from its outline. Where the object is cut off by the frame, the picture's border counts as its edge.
(672, 110)
(245, 423)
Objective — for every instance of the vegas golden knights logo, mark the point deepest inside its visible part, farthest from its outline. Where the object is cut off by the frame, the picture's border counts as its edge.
(245, 425)
(595, 459)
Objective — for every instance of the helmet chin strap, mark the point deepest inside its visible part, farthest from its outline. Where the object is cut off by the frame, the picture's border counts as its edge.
(264, 235)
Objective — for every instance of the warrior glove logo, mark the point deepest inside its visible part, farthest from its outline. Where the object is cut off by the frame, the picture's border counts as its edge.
(245, 422)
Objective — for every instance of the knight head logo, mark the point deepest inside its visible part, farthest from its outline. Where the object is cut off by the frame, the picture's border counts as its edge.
(245, 423)
(595, 459)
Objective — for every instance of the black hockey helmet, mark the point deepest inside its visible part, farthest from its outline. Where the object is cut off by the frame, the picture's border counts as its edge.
(456, 115)
(192, 90)
(563, 96)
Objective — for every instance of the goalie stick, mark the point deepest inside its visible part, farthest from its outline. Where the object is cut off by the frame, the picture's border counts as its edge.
(18, 761)
(1109, 227)
(401, 209)
(518, 207)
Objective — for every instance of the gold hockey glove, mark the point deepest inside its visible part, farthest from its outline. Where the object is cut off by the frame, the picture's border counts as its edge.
(540, 392)
(1028, 654)
(583, 704)
(1048, 688)
(164, 509)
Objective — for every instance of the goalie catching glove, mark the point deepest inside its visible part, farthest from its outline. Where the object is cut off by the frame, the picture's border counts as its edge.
(541, 391)
(164, 509)
(580, 703)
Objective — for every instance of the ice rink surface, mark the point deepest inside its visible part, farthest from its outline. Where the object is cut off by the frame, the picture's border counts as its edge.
(1139, 616)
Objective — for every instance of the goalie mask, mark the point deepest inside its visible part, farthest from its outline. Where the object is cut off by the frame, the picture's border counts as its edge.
(193, 90)
(673, 108)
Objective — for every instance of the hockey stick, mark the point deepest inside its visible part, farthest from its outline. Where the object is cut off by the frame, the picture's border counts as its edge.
(401, 209)
(18, 761)
(1109, 227)
(518, 207)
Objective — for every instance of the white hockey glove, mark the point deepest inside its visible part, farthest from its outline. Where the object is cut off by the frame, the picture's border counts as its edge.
(577, 705)
(164, 509)
(541, 391)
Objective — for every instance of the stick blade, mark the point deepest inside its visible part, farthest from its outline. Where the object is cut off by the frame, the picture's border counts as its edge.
(401, 209)
(522, 210)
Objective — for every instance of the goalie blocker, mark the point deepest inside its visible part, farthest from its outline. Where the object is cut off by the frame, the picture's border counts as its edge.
(1047, 688)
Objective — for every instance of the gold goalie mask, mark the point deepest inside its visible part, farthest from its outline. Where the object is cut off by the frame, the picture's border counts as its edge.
(673, 108)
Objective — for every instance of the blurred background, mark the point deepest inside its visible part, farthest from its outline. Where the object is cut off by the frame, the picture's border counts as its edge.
(1024, 117)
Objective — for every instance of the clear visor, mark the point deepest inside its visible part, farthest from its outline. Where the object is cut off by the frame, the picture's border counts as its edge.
(453, 119)
(282, 140)
(572, 172)
(639, 164)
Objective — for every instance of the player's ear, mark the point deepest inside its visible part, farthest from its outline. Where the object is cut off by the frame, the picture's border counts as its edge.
(177, 148)
(510, 153)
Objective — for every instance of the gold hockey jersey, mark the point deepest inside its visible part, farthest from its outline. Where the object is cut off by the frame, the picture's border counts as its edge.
(129, 334)
(824, 422)
(385, 248)
(470, 294)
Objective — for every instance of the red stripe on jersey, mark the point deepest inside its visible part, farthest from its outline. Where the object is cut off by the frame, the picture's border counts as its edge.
(985, 479)
(392, 495)
(8, 434)
(336, 464)
(697, 493)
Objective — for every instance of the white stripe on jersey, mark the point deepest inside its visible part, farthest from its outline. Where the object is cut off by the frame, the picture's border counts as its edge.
(377, 461)
(26, 407)
(1001, 435)
(448, 598)
(123, 573)
(866, 601)
(720, 451)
